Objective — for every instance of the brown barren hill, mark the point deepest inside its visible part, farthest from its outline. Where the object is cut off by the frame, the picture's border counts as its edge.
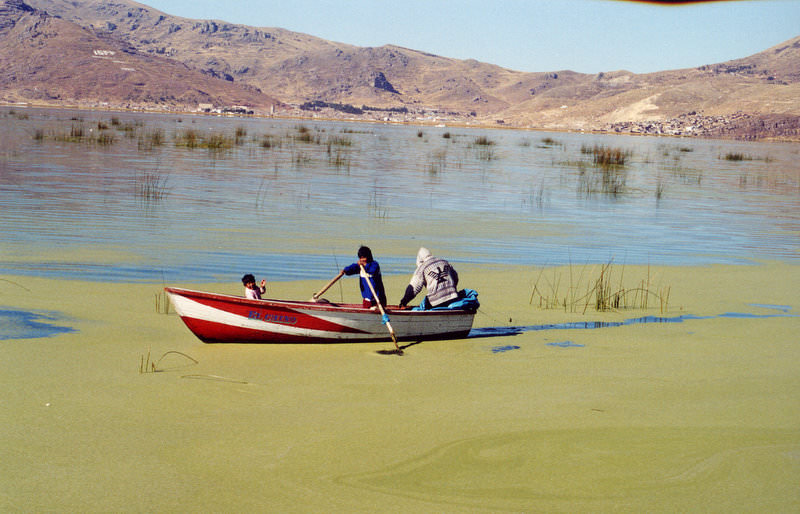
(752, 97)
(49, 60)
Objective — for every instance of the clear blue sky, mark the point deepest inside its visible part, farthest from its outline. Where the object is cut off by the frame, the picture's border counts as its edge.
(587, 36)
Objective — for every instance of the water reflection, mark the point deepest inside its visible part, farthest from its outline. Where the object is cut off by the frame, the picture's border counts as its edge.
(309, 192)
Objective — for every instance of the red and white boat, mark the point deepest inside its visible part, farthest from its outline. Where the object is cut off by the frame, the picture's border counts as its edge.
(219, 318)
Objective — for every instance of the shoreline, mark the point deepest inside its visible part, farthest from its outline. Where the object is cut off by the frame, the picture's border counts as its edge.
(482, 125)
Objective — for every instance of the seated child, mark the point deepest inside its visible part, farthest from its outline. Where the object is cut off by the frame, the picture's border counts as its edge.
(250, 290)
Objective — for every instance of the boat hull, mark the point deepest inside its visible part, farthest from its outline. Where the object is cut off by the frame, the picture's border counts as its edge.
(217, 318)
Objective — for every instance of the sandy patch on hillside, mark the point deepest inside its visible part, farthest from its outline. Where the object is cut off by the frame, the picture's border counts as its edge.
(645, 109)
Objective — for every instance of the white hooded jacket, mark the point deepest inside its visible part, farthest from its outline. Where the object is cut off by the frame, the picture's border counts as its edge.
(437, 275)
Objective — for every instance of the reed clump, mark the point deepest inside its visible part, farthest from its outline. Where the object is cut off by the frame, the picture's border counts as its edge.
(193, 139)
(151, 139)
(129, 128)
(608, 180)
(339, 141)
(485, 148)
(600, 289)
(103, 138)
(75, 134)
(151, 186)
(338, 158)
(217, 141)
(304, 135)
(268, 142)
(437, 161)
(737, 156)
(377, 208)
(146, 365)
(79, 134)
(188, 138)
(605, 156)
(239, 135)
(660, 187)
(162, 302)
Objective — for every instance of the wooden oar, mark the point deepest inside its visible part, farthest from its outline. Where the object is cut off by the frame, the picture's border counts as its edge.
(333, 281)
(384, 316)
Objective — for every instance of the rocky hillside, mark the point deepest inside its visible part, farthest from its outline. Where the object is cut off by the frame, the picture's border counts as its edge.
(401, 84)
(49, 60)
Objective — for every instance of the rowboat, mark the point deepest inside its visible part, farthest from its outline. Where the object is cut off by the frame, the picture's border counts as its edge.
(220, 318)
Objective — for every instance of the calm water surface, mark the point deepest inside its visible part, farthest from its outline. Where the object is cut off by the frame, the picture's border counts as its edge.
(293, 199)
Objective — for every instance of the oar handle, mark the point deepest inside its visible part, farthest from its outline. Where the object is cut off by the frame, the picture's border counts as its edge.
(333, 281)
(380, 307)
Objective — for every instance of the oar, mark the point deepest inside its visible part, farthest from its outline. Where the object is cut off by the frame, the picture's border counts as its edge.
(384, 316)
(333, 281)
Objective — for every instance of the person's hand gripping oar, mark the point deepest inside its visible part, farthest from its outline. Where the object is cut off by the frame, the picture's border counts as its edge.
(333, 281)
(384, 316)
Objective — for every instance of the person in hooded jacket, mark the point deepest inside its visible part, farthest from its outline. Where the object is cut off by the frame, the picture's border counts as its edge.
(437, 275)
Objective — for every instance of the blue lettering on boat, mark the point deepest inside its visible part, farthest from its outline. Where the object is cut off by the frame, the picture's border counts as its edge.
(272, 318)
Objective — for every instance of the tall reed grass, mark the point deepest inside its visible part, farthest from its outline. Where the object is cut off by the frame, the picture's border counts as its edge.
(605, 156)
(599, 289)
(151, 186)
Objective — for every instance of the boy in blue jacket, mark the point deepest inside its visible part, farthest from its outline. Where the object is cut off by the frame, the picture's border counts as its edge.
(373, 270)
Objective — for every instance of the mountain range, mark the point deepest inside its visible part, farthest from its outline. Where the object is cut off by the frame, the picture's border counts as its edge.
(122, 54)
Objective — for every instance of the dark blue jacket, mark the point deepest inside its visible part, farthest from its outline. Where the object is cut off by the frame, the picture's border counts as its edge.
(374, 269)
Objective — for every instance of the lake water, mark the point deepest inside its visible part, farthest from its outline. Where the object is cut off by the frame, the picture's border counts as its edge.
(126, 197)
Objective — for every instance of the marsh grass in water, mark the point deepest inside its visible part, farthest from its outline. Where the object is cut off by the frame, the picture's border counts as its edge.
(151, 186)
(103, 138)
(146, 365)
(377, 207)
(215, 141)
(150, 139)
(339, 141)
(305, 135)
(239, 135)
(437, 161)
(535, 197)
(607, 180)
(605, 156)
(660, 187)
(736, 156)
(687, 176)
(484, 148)
(268, 142)
(600, 289)
(549, 142)
(129, 128)
(301, 159)
(75, 134)
(162, 302)
(339, 158)
(78, 134)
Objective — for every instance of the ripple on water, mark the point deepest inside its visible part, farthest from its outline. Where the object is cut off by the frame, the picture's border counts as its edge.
(628, 468)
